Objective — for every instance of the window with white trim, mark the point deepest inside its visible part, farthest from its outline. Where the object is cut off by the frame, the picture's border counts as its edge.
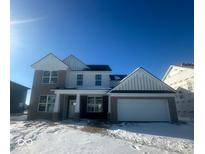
(79, 79)
(46, 103)
(94, 104)
(98, 79)
(50, 77)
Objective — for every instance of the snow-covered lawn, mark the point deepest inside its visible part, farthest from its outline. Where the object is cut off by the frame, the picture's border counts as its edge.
(170, 137)
(85, 136)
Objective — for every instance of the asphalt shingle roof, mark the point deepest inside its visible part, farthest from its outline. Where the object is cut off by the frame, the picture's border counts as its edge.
(117, 76)
(186, 65)
(99, 68)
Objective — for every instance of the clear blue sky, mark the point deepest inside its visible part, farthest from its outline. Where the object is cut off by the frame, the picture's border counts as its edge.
(125, 34)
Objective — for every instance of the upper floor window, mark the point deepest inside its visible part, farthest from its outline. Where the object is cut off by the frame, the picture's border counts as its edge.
(98, 79)
(50, 77)
(46, 103)
(79, 79)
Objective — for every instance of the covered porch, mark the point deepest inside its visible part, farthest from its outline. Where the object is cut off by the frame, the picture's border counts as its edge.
(75, 104)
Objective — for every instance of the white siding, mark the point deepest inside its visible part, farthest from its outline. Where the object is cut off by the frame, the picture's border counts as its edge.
(142, 80)
(74, 63)
(182, 79)
(88, 79)
(114, 83)
(50, 63)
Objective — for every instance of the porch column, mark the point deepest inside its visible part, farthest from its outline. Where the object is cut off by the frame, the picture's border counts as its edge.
(77, 106)
(109, 105)
(57, 102)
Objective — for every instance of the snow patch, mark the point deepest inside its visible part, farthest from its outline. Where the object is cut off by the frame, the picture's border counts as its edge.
(129, 132)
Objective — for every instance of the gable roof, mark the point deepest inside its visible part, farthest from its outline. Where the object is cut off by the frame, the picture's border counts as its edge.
(14, 84)
(140, 80)
(74, 63)
(117, 77)
(183, 65)
(49, 62)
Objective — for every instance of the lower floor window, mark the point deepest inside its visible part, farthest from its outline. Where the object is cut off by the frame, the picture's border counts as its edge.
(46, 103)
(94, 104)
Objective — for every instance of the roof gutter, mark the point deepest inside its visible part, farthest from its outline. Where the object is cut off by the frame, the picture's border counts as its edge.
(142, 95)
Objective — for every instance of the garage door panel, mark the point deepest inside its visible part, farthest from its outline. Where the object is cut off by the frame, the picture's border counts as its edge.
(143, 110)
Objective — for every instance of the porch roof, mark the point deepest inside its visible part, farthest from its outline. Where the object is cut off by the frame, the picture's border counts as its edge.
(80, 91)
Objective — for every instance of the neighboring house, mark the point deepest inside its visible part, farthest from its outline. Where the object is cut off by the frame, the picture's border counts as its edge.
(17, 97)
(181, 78)
(64, 89)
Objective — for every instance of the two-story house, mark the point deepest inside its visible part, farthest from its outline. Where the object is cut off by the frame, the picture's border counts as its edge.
(69, 88)
(181, 78)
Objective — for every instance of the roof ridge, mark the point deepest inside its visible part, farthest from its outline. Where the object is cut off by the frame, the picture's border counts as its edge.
(19, 84)
(71, 55)
(50, 53)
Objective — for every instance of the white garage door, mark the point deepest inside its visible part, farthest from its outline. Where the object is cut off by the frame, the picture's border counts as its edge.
(143, 110)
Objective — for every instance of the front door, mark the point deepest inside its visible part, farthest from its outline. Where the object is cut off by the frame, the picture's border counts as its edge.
(72, 108)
